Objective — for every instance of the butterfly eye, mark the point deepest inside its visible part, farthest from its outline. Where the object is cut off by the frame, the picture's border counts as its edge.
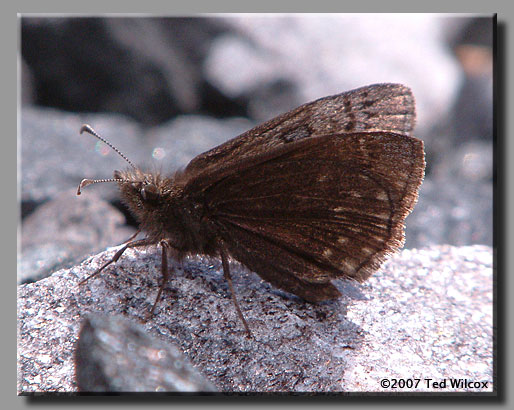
(149, 193)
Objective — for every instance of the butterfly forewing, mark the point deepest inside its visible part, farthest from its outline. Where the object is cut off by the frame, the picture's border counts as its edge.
(316, 209)
(378, 107)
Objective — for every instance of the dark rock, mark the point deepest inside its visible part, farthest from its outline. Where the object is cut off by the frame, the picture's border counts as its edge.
(472, 114)
(116, 355)
(27, 84)
(147, 68)
(474, 108)
(426, 313)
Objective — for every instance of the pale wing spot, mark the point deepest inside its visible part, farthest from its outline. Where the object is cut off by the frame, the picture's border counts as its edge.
(355, 194)
(382, 196)
(339, 209)
(348, 266)
(384, 216)
(362, 144)
(327, 253)
(367, 251)
(342, 240)
(355, 229)
(379, 239)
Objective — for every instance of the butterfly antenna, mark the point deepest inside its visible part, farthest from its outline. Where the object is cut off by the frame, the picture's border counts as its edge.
(87, 128)
(85, 182)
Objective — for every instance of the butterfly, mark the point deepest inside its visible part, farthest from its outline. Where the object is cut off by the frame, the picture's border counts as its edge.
(318, 193)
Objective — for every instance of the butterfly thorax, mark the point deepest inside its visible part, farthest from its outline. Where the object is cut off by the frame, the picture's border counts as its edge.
(163, 210)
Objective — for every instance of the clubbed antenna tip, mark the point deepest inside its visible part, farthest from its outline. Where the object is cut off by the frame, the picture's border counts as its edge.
(87, 128)
(84, 183)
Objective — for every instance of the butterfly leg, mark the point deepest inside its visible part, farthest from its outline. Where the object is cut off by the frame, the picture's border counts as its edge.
(226, 273)
(117, 255)
(165, 274)
(132, 237)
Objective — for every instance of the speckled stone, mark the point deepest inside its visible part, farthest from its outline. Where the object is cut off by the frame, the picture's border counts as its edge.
(426, 314)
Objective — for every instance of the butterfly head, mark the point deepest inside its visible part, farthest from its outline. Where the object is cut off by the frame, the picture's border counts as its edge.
(141, 190)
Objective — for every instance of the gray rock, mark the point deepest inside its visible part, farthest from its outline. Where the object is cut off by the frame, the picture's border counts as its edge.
(426, 313)
(429, 316)
(175, 143)
(55, 157)
(61, 232)
(115, 354)
(458, 212)
(470, 162)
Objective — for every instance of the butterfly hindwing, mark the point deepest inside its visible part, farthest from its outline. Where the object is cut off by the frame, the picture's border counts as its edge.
(316, 209)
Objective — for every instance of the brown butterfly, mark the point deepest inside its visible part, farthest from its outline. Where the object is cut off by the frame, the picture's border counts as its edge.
(318, 193)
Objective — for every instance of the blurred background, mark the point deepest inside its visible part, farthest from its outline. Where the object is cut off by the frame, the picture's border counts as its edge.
(166, 89)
